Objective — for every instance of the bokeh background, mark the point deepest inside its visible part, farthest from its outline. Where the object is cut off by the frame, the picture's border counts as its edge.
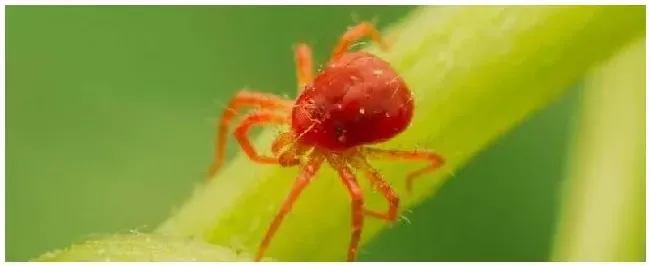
(110, 122)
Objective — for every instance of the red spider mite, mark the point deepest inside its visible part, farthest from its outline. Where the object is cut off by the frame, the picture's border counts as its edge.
(355, 100)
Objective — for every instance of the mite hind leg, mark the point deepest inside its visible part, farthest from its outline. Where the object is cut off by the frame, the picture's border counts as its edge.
(356, 202)
(435, 161)
(307, 174)
(378, 181)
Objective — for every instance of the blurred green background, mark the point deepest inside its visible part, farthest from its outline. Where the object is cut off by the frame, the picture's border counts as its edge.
(110, 122)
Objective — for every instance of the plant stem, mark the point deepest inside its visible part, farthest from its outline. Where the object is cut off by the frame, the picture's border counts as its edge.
(137, 247)
(603, 215)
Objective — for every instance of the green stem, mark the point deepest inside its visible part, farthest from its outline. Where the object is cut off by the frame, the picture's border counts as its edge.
(475, 71)
(603, 216)
(142, 248)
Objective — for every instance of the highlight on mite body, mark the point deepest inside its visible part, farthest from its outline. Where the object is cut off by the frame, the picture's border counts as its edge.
(357, 99)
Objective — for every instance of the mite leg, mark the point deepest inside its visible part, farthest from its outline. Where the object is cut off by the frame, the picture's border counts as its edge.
(243, 99)
(377, 180)
(355, 33)
(356, 195)
(304, 65)
(434, 159)
(252, 119)
(302, 181)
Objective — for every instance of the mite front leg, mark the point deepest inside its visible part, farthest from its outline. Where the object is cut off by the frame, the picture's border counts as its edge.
(355, 33)
(356, 196)
(257, 118)
(242, 99)
(301, 183)
(304, 65)
(434, 159)
(377, 180)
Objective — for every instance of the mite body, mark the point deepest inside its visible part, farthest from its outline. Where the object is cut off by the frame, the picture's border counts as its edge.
(356, 100)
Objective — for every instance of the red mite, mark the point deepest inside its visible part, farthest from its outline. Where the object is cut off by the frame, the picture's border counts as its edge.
(355, 100)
